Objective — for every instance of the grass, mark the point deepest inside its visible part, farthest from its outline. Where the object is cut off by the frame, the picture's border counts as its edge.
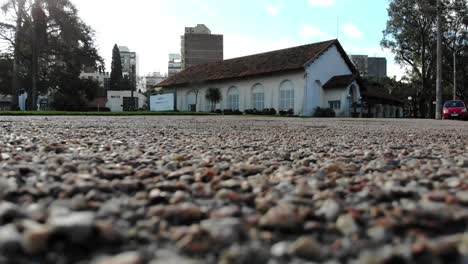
(66, 113)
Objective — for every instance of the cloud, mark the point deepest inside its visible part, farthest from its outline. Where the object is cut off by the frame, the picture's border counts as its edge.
(309, 32)
(352, 31)
(324, 3)
(273, 10)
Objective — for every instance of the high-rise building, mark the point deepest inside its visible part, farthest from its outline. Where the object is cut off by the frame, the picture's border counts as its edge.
(154, 78)
(129, 63)
(174, 64)
(199, 46)
(370, 66)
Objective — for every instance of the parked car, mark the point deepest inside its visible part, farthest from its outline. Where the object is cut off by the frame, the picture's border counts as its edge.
(455, 109)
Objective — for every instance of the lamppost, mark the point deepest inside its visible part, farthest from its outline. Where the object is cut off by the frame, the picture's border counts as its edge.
(410, 99)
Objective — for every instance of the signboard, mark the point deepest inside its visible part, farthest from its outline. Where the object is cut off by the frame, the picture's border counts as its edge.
(162, 102)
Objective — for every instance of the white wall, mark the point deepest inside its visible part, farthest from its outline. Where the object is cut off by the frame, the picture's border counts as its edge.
(328, 65)
(115, 99)
(341, 94)
(271, 86)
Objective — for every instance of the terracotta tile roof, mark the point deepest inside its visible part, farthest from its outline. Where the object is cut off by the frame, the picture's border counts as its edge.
(379, 96)
(341, 81)
(264, 63)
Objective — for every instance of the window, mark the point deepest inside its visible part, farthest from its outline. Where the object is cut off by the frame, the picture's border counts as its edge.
(335, 104)
(233, 99)
(286, 96)
(258, 97)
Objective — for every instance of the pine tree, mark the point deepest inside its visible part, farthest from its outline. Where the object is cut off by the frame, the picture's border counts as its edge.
(116, 69)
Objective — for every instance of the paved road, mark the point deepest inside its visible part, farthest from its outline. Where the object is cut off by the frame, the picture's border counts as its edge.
(232, 190)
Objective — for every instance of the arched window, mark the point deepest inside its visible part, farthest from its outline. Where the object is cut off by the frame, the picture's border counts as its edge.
(233, 99)
(286, 96)
(191, 102)
(258, 97)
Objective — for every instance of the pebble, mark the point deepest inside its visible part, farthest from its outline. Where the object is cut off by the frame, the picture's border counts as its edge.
(232, 190)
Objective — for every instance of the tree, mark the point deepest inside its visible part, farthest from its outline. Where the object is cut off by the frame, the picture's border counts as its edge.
(50, 44)
(214, 96)
(6, 73)
(39, 39)
(116, 69)
(411, 35)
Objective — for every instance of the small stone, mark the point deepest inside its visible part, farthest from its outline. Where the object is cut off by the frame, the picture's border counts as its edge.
(197, 241)
(330, 209)
(347, 225)
(225, 230)
(10, 240)
(245, 254)
(10, 212)
(283, 217)
(124, 258)
(280, 249)
(35, 237)
(306, 248)
(377, 233)
(77, 227)
(462, 196)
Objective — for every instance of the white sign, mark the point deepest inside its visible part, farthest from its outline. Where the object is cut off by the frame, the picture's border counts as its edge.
(162, 102)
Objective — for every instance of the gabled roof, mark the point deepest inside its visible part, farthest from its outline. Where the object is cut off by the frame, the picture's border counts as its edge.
(264, 63)
(341, 81)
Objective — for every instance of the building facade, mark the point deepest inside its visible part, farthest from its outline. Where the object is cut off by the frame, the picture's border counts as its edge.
(199, 46)
(102, 77)
(174, 65)
(129, 64)
(299, 79)
(154, 78)
(370, 67)
(121, 101)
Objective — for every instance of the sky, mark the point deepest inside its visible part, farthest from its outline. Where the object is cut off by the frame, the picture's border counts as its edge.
(152, 28)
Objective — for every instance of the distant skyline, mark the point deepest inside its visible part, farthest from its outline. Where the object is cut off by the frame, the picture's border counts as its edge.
(152, 28)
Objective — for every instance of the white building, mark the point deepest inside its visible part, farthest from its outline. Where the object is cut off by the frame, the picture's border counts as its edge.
(102, 77)
(174, 65)
(154, 78)
(300, 78)
(120, 101)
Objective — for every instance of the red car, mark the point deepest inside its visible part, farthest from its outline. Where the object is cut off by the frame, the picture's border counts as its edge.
(455, 109)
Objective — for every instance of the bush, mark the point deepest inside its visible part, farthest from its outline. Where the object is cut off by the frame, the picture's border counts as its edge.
(266, 111)
(324, 112)
(290, 112)
(96, 109)
(232, 112)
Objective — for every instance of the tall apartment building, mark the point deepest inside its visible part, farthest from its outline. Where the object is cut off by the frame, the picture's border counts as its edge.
(174, 64)
(370, 66)
(129, 63)
(199, 46)
(154, 78)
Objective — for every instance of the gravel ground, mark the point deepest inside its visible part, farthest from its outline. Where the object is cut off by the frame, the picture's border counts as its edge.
(231, 190)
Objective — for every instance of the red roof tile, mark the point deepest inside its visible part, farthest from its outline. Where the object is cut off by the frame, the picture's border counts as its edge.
(264, 63)
(341, 81)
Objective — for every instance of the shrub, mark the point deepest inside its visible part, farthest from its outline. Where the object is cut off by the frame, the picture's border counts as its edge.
(289, 112)
(324, 112)
(96, 109)
(266, 111)
(232, 112)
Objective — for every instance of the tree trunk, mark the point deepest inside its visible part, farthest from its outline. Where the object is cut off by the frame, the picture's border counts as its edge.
(16, 62)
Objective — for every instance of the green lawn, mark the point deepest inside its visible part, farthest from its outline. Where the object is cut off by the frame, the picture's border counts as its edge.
(64, 113)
